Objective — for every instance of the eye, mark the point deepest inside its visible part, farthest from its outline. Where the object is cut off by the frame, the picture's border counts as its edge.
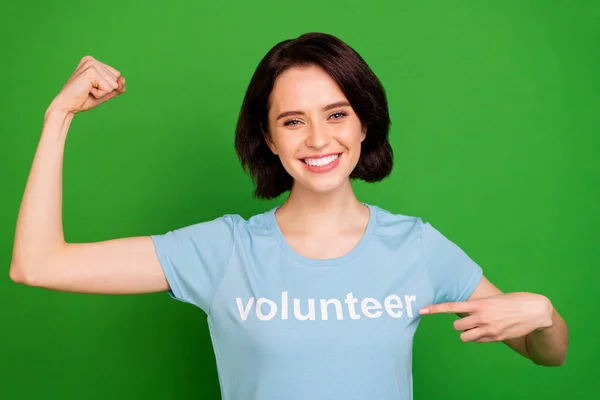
(291, 122)
(338, 115)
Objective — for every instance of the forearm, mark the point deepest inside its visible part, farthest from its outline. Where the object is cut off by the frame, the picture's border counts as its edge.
(39, 230)
(548, 346)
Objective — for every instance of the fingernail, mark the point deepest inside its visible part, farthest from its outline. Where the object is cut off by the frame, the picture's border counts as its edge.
(424, 311)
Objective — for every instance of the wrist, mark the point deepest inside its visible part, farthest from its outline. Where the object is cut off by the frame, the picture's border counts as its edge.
(56, 112)
(56, 123)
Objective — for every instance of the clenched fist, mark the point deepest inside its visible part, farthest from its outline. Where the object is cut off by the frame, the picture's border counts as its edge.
(91, 84)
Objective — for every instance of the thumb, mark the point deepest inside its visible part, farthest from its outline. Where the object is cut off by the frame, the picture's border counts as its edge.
(94, 102)
(100, 96)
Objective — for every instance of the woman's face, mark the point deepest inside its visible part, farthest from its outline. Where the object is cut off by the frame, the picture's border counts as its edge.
(313, 129)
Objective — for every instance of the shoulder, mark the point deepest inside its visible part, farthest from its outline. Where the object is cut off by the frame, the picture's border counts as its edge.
(396, 224)
(240, 226)
(221, 224)
(252, 224)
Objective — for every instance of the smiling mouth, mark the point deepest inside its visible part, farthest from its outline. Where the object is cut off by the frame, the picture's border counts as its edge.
(321, 162)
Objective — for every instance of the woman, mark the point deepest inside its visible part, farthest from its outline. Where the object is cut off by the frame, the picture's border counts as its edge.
(318, 298)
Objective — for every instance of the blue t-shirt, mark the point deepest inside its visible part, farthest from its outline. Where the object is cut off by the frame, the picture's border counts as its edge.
(284, 326)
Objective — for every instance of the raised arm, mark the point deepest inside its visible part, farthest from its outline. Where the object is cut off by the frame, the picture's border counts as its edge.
(41, 257)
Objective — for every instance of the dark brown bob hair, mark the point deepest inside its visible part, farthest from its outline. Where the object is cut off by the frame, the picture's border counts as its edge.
(357, 81)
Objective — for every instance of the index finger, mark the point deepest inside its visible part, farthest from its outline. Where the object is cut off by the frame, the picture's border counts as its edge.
(449, 307)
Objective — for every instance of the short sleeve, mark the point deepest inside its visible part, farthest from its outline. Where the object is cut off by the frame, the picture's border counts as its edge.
(453, 274)
(194, 258)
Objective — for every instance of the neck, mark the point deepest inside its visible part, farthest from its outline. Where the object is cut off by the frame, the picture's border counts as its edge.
(309, 211)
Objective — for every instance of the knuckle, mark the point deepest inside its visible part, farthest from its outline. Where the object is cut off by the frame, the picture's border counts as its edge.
(90, 71)
(114, 70)
(493, 331)
(91, 68)
(484, 306)
(484, 318)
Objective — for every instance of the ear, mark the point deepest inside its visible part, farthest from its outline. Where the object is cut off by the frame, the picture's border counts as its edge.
(363, 134)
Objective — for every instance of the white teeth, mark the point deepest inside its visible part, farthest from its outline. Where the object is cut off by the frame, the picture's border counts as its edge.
(321, 162)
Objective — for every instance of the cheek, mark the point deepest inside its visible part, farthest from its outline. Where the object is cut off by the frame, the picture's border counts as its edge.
(353, 134)
(286, 145)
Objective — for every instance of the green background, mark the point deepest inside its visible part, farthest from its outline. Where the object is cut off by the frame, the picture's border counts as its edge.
(495, 115)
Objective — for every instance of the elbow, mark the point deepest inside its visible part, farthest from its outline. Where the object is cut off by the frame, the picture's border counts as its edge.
(16, 274)
(559, 362)
(19, 273)
(555, 362)
(31, 272)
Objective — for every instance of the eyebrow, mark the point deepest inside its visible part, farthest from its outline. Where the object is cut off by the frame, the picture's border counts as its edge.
(326, 108)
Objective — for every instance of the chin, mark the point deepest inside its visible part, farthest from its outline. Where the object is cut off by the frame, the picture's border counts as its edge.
(323, 187)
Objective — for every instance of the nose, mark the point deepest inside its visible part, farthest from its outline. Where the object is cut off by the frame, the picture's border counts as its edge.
(318, 137)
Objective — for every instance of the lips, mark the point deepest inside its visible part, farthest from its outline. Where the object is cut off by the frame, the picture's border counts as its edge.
(319, 156)
(326, 164)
